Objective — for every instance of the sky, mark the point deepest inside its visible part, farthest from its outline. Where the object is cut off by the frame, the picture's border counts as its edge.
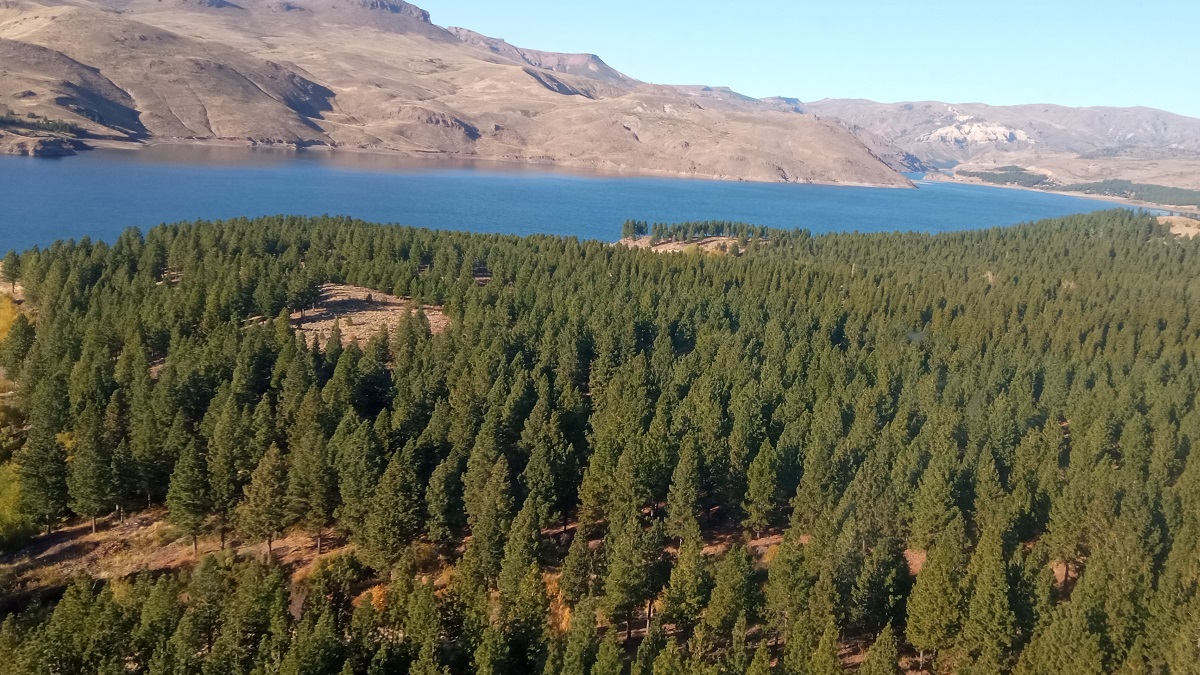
(1003, 52)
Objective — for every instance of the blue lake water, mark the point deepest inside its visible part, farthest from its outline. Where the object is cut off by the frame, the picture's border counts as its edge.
(100, 193)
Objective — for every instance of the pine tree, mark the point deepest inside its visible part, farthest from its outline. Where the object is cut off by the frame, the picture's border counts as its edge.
(825, 658)
(263, 514)
(395, 516)
(627, 577)
(226, 456)
(187, 497)
(1066, 645)
(609, 659)
(581, 641)
(90, 480)
(687, 590)
(10, 270)
(491, 656)
(763, 485)
(311, 480)
(883, 657)
(443, 501)
(761, 664)
(732, 593)
(684, 493)
(670, 660)
(935, 606)
(934, 504)
(485, 553)
(575, 581)
(358, 470)
(990, 624)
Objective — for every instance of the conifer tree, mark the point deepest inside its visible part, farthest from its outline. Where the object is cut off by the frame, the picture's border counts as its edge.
(486, 551)
(732, 593)
(609, 659)
(575, 580)
(443, 501)
(263, 514)
(761, 663)
(581, 641)
(42, 473)
(763, 486)
(394, 519)
(491, 656)
(935, 606)
(825, 658)
(10, 270)
(311, 480)
(990, 624)
(187, 497)
(358, 471)
(670, 660)
(687, 590)
(90, 480)
(883, 657)
(227, 463)
(625, 583)
(521, 548)
(684, 493)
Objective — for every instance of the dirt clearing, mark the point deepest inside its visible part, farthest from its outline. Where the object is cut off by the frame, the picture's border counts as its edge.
(1181, 225)
(715, 245)
(361, 313)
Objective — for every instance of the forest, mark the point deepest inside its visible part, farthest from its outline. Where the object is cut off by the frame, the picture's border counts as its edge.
(1009, 175)
(956, 453)
(1155, 194)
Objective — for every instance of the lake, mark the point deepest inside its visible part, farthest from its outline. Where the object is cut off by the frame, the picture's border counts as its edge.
(101, 192)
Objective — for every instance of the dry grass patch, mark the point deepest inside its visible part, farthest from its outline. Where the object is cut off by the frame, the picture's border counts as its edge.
(1181, 226)
(360, 312)
(713, 245)
(144, 542)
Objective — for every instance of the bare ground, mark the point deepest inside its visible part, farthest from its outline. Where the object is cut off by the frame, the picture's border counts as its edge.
(714, 245)
(144, 542)
(1181, 225)
(360, 312)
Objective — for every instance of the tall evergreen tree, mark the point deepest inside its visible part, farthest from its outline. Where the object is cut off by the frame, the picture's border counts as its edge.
(90, 481)
(935, 606)
(395, 516)
(188, 500)
(263, 514)
(883, 657)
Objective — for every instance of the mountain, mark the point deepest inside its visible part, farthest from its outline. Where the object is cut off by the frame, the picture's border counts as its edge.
(1068, 144)
(379, 75)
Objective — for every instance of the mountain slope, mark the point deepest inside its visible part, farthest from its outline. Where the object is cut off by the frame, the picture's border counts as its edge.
(959, 132)
(378, 74)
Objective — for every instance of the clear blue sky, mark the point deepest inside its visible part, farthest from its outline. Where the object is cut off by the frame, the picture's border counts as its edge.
(1071, 52)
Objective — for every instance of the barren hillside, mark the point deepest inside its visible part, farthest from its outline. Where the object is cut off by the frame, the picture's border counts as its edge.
(1072, 145)
(377, 74)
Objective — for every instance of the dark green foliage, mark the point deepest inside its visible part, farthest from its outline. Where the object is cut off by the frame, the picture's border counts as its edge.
(1017, 398)
(188, 498)
(263, 514)
(1155, 194)
(883, 657)
(936, 604)
(1009, 175)
(394, 518)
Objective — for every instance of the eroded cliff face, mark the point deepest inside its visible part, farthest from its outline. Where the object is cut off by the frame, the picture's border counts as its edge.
(377, 74)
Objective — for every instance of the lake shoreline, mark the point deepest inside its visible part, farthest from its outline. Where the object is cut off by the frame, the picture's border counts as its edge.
(116, 188)
(1122, 201)
(531, 163)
